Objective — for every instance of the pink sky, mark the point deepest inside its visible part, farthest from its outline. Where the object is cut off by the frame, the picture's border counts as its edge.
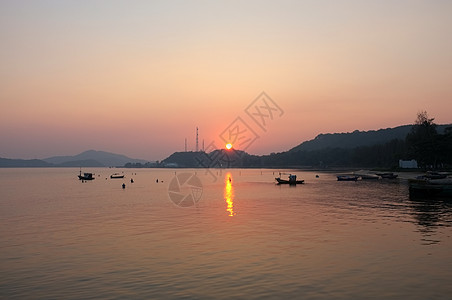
(137, 77)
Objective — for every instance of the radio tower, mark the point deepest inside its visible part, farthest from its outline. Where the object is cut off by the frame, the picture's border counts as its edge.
(197, 139)
(185, 144)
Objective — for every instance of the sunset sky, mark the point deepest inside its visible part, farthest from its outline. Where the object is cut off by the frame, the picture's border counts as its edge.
(138, 77)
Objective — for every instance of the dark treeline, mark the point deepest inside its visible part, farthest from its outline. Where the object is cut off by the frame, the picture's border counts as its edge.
(430, 149)
(383, 155)
(356, 138)
(423, 143)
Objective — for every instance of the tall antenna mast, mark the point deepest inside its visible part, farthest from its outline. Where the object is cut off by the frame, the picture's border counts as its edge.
(197, 139)
(185, 144)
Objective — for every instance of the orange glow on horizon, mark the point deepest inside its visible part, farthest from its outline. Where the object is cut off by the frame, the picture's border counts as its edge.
(229, 146)
(193, 75)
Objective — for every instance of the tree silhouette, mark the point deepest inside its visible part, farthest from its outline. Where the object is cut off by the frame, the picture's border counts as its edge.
(445, 141)
(423, 141)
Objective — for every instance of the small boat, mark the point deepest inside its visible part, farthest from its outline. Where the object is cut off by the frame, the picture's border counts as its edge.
(430, 188)
(116, 175)
(292, 180)
(347, 178)
(366, 175)
(369, 176)
(435, 175)
(387, 175)
(86, 176)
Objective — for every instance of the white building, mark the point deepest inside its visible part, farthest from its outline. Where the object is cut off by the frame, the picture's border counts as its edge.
(408, 164)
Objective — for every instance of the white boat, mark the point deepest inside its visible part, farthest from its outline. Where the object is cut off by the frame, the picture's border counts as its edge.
(116, 175)
(387, 175)
(366, 175)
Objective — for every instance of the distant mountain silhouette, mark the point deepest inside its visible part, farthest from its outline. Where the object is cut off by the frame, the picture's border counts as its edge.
(92, 158)
(183, 159)
(23, 163)
(326, 149)
(375, 148)
(221, 158)
(81, 163)
(357, 138)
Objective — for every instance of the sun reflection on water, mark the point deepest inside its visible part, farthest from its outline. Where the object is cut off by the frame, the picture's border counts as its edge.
(229, 195)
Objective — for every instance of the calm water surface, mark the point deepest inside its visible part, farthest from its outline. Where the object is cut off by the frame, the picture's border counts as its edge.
(245, 237)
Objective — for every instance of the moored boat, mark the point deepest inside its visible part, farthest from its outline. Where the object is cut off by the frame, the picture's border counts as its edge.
(86, 176)
(430, 188)
(116, 175)
(365, 175)
(292, 180)
(347, 178)
(435, 175)
(387, 175)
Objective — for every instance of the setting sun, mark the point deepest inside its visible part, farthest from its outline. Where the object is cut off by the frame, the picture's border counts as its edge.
(228, 146)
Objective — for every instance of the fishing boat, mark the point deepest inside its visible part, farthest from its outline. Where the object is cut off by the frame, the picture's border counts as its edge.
(116, 175)
(347, 178)
(86, 176)
(292, 180)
